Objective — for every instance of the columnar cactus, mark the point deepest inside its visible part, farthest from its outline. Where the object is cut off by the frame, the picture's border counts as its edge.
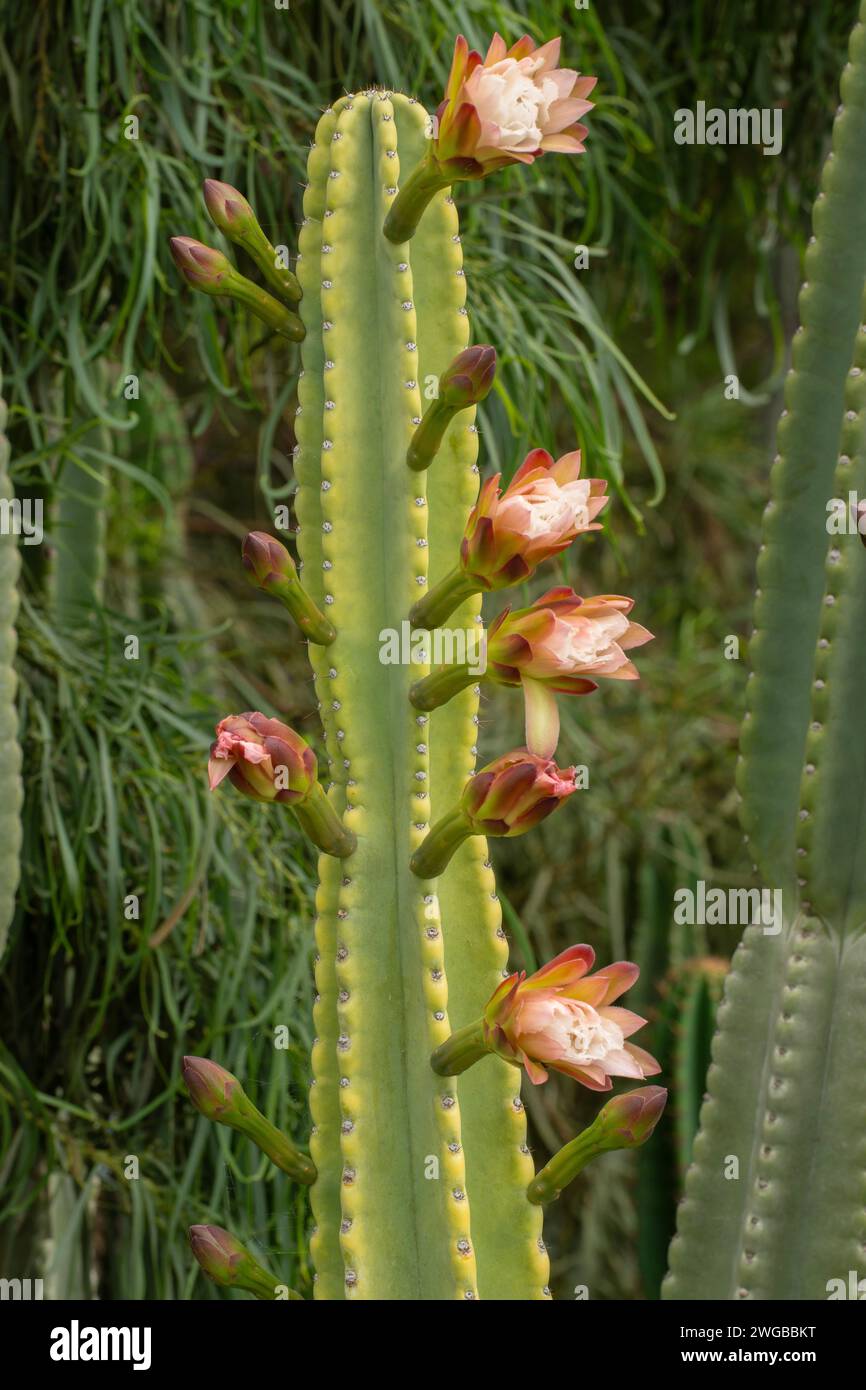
(774, 1203)
(422, 1186)
(10, 753)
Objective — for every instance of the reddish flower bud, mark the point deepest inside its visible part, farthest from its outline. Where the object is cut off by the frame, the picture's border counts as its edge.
(507, 797)
(270, 567)
(562, 1017)
(221, 1097)
(230, 211)
(201, 266)
(229, 1264)
(211, 272)
(514, 793)
(268, 761)
(625, 1122)
(212, 1089)
(467, 381)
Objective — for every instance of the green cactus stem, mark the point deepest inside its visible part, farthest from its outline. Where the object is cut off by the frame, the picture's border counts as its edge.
(774, 1202)
(393, 1220)
(10, 752)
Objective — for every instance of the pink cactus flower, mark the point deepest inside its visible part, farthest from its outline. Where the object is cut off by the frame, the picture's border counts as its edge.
(558, 644)
(263, 758)
(545, 506)
(565, 1019)
(509, 107)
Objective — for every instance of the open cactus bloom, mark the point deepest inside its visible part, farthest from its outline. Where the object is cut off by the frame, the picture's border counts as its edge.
(561, 1017)
(545, 507)
(267, 761)
(507, 797)
(557, 645)
(506, 108)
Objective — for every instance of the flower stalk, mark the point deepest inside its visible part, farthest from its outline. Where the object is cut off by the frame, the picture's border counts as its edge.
(626, 1122)
(467, 381)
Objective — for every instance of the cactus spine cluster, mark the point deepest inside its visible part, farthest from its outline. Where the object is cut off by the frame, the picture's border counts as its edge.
(774, 1203)
(421, 1193)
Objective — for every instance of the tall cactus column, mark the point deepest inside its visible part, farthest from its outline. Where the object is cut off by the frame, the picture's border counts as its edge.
(404, 1210)
(776, 1201)
(10, 753)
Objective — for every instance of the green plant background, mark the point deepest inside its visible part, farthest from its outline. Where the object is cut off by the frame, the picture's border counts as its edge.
(694, 263)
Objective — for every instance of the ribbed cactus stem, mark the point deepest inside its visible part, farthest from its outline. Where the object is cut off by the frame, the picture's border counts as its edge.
(10, 753)
(774, 1204)
(393, 1219)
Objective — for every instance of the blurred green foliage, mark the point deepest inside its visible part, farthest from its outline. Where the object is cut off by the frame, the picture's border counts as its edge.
(693, 264)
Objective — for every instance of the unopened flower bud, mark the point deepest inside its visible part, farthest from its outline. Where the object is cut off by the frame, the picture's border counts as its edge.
(233, 215)
(229, 1264)
(507, 797)
(211, 272)
(625, 1122)
(270, 567)
(220, 1096)
(467, 381)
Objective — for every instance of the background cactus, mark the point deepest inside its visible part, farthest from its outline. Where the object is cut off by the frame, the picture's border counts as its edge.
(10, 753)
(774, 1203)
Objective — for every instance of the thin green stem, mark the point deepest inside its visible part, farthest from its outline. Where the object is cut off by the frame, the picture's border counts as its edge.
(408, 207)
(320, 821)
(434, 853)
(461, 1051)
(441, 686)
